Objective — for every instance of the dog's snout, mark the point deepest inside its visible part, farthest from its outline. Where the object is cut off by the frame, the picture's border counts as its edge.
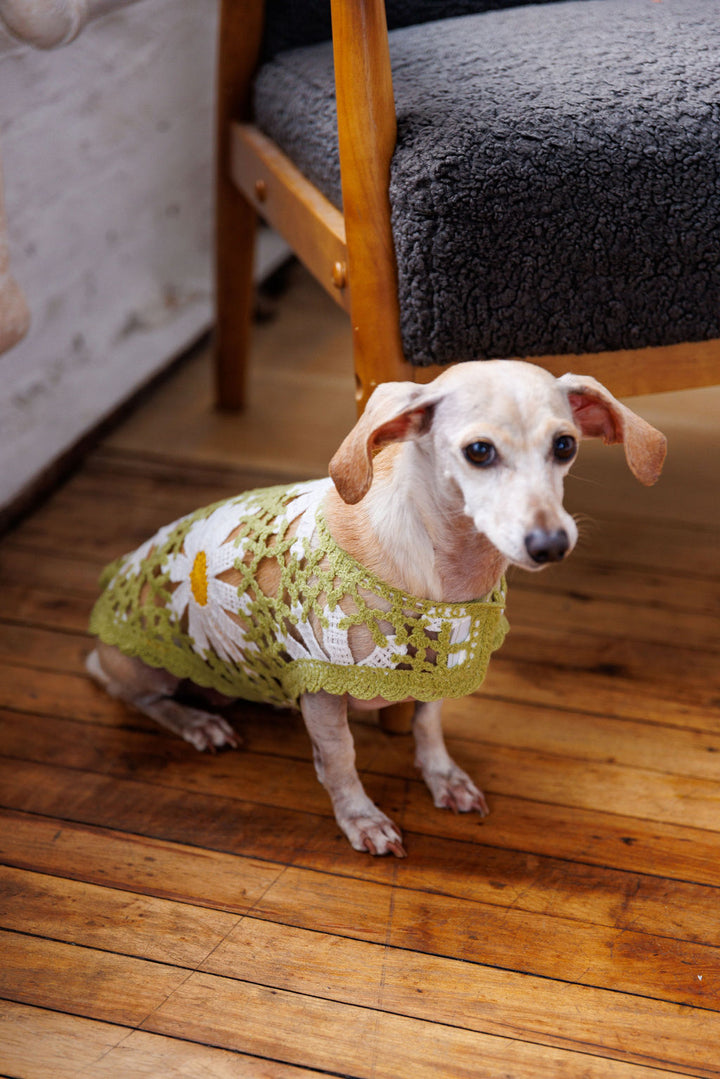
(545, 546)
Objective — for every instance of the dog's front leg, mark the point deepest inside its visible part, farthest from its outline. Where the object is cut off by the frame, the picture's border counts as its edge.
(450, 787)
(367, 828)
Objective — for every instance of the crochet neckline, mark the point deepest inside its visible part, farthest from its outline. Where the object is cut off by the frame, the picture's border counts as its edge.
(496, 596)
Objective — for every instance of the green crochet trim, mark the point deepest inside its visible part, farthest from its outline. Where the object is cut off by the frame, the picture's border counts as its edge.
(188, 601)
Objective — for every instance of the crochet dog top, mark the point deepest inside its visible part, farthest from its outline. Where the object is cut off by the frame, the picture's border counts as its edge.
(188, 600)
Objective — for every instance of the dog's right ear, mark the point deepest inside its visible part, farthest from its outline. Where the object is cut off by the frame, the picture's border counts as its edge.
(599, 415)
(395, 412)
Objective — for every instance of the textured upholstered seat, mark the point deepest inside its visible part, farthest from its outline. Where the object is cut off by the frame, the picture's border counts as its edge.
(491, 178)
(556, 180)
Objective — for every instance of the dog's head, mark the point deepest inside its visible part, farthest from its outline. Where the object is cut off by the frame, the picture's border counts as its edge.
(496, 439)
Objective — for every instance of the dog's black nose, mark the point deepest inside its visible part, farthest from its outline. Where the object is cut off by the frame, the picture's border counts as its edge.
(544, 546)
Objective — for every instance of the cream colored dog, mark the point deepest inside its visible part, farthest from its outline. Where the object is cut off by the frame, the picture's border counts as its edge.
(436, 491)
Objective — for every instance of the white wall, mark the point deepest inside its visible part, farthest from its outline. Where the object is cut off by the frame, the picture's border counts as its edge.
(106, 149)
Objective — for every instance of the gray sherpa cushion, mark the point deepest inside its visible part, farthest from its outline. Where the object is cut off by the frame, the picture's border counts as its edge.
(556, 182)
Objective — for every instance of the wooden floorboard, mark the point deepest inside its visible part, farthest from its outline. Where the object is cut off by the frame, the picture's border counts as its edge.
(165, 913)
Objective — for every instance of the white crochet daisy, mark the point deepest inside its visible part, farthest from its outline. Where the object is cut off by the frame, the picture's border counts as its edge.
(335, 645)
(307, 499)
(206, 599)
(133, 563)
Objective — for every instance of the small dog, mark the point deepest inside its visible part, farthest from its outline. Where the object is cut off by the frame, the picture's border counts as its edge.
(384, 582)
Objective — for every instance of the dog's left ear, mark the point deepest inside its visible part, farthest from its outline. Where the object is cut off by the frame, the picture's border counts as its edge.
(599, 415)
(396, 411)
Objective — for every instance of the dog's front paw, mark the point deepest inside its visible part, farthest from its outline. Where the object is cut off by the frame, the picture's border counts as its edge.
(373, 832)
(455, 790)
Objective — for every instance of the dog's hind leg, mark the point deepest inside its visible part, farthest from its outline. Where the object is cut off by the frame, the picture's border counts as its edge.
(151, 690)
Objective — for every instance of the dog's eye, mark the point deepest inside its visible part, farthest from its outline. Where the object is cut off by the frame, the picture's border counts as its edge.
(481, 454)
(564, 448)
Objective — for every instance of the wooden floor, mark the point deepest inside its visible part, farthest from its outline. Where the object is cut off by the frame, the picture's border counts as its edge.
(168, 914)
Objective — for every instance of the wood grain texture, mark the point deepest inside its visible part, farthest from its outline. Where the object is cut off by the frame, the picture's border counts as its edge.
(167, 913)
(36, 1043)
(366, 138)
(632, 372)
(239, 39)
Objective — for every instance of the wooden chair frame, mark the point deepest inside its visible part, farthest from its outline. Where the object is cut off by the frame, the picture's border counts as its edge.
(354, 262)
(352, 253)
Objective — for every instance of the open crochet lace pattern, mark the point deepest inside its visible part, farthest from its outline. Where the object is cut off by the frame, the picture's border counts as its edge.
(252, 597)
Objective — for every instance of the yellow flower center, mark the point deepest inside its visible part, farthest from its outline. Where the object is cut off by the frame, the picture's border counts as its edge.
(198, 578)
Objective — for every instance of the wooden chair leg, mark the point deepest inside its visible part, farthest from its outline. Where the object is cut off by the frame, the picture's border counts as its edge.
(239, 38)
(398, 718)
(234, 293)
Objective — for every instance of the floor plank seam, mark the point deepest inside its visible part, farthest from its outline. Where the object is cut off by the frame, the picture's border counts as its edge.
(527, 1037)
